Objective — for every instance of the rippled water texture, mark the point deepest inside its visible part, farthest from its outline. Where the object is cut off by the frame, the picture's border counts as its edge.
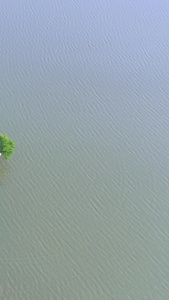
(84, 200)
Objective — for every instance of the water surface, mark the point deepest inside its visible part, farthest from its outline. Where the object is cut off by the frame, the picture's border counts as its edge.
(84, 200)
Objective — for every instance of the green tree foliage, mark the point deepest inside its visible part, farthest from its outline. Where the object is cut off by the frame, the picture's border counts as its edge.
(6, 146)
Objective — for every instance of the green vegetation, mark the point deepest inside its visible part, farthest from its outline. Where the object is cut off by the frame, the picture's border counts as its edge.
(6, 146)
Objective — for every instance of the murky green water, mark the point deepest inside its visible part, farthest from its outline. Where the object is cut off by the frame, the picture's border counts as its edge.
(84, 200)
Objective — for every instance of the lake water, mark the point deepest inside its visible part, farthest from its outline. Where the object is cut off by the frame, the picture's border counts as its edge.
(84, 201)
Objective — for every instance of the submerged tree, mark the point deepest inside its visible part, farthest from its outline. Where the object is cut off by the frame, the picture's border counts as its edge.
(6, 146)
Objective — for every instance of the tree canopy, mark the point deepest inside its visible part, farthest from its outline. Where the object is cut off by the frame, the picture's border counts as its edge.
(6, 146)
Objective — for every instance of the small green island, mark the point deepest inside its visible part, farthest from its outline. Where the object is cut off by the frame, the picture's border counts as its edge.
(6, 146)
